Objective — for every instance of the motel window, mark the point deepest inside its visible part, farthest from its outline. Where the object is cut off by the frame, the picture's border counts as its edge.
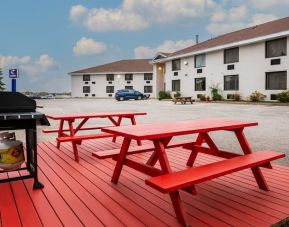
(200, 60)
(176, 85)
(148, 76)
(148, 89)
(231, 55)
(276, 80)
(86, 89)
(176, 64)
(276, 48)
(231, 83)
(86, 77)
(128, 76)
(110, 77)
(109, 89)
(128, 87)
(200, 84)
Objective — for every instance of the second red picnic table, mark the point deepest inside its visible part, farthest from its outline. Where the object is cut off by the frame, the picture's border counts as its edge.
(70, 134)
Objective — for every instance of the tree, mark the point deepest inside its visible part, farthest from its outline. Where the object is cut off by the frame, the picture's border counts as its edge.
(2, 88)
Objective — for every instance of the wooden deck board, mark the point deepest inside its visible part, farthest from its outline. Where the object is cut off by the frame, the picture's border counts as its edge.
(78, 194)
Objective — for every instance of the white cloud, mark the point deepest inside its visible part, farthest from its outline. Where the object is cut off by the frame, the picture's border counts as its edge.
(225, 19)
(229, 24)
(263, 4)
(221, 28)
(134, 15)
(237, 13)
(45, 62)
(107, 20)
(168, 47)
(77, 12)
(144, 52)
(33, 68)
(218, 16)
(262, 18)
(86, 46)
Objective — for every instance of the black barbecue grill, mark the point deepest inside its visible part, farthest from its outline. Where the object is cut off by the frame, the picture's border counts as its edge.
(18, 111)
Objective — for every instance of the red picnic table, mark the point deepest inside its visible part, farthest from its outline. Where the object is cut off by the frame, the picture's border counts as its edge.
(114, 117)
(167, 181)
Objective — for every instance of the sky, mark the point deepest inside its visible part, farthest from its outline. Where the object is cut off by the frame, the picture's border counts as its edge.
(46, 40)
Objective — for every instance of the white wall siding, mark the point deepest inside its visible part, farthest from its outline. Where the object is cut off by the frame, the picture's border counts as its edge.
(76, 86)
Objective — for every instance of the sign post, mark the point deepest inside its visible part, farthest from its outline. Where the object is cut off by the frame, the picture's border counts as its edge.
(13, 74)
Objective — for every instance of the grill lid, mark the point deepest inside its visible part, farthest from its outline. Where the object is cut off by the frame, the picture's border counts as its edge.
(16, 102)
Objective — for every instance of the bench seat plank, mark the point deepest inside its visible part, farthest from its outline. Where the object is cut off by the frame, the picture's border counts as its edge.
(186, 178)
(67, 130)
(138, 149)
(84, 137)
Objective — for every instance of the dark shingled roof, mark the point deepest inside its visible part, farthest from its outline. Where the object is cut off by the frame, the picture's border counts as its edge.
(240, 35)
(125, 66)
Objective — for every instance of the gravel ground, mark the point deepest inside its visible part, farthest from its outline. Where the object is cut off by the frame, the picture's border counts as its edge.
(271, 133)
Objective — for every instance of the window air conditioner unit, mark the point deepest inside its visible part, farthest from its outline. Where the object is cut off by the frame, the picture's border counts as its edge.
(276, 61)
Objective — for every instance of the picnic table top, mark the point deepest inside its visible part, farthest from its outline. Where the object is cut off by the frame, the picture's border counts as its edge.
(94, 115)
(168, 129)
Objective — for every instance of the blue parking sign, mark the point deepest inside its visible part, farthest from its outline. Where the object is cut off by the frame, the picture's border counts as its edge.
(13, 73)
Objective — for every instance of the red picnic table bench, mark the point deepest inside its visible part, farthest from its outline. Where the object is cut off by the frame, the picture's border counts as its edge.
(69, 135)
(167, 181)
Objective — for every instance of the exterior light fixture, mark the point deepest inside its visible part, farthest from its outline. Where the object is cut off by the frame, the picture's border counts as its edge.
(160, 68)
(186, 63)
(118, 76)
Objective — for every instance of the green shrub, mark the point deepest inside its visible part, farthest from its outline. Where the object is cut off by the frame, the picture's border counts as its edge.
(164, 95)
(177, 94)
(257, 96)
(283, 96)
(215, 91)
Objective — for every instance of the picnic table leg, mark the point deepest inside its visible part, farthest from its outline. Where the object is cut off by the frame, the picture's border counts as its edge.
(247, 150)
(175, 196)
(60, 131)
(154, 157)
(194, 153)
(120, 160)
(74, 146)
(210, 143)
(200, 139)
(80, 125)
(177, 204)
(115, 123)
(133, 122)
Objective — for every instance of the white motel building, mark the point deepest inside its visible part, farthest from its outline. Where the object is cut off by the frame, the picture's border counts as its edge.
(242, 62)
(104, 80)
(255, 58)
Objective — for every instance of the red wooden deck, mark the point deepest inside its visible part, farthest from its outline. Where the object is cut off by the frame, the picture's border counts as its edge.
(81, 194)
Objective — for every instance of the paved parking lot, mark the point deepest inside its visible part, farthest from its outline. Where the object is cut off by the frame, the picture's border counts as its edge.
(271, 133)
